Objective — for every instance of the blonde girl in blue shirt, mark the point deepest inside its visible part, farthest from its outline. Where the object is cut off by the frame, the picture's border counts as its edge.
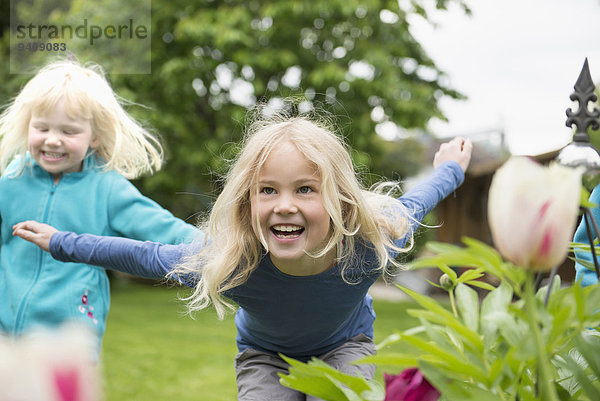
(292, 243)
(66, 146)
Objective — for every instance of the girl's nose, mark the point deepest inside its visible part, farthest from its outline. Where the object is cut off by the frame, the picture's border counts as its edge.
(52, 139)
(285, 205)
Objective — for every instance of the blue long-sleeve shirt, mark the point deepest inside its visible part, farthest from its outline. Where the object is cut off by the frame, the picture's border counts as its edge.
(587, 276)
(300, 316)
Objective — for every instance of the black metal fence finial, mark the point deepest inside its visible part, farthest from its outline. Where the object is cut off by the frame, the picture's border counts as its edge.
(584, 117)
(580, 152)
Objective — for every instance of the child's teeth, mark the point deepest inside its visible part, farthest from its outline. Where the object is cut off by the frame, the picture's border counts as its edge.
(287, 228)
(52, 154)
(287, 231)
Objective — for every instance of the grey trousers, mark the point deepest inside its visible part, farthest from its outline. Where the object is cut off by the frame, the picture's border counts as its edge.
(257, 378)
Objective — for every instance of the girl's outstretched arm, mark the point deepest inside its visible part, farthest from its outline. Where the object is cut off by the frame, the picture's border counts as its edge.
(142, 259)
(38, 233)
(458, 150)
(450, 163)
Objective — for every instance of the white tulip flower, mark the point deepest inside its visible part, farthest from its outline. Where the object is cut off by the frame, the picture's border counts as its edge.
(532, 212)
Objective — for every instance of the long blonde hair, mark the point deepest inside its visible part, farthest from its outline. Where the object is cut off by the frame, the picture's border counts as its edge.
(231, 250)
(123, 144)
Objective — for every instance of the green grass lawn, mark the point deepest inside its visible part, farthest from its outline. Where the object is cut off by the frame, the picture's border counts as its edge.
(153, 351)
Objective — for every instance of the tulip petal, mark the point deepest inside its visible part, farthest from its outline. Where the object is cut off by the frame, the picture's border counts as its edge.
(546, 244)
(409, 385)
(67, 383)
(532, 211)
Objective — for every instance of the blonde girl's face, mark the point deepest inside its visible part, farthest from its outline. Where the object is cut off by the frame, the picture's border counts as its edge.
(58, 142)
(290, 210)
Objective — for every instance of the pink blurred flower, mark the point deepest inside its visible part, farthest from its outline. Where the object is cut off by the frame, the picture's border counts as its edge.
(409, 385)
(49, 365)
(67, 383)
(532, 211)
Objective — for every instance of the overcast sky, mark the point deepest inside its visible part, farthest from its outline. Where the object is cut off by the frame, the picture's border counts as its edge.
(517, 61)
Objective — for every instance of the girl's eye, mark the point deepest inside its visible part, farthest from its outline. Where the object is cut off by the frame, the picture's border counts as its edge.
(267, 191)
(305, 190)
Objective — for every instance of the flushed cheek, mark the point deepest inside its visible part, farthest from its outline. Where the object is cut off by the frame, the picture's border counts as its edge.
(33, 142)
(320, 224)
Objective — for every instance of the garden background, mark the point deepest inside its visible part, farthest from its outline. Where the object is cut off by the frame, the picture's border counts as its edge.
(212, 61)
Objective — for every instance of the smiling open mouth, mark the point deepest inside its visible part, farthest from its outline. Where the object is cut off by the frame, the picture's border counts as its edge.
(287, 231)
(53, 155)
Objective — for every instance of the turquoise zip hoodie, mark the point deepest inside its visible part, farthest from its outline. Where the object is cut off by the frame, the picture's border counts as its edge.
(35, 289)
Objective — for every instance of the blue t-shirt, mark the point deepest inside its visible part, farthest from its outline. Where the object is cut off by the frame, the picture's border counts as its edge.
(299, 316)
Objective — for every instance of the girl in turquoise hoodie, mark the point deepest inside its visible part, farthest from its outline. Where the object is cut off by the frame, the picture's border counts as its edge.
(67, 147)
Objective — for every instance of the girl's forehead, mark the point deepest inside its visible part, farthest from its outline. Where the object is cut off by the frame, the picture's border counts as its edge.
(288, 171)
(289, 150)
(72, 107)
(287, 154)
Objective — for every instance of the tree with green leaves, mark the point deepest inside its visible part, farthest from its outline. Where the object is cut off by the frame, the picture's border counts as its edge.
(213, 60)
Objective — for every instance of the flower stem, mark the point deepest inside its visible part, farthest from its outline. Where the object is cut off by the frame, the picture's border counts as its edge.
(452, 302)
(545, 385)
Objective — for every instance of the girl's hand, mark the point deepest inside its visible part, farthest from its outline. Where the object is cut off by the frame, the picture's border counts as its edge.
(458, 150)
(35, 232)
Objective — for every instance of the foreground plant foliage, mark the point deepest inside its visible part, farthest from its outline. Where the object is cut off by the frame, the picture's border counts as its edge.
(504, 342)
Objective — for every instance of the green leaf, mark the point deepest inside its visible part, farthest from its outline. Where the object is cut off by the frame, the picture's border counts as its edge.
(391, 339)
(477, 255)
(442, 316)
(585, 263)
(566, 379)
(353, 396)
(321, 380)
(588, 346)
(471, 337)
(455, 389)
(514, 331)
(496, 369)
(444, 336)
(481, 284)
(468, 305)
(391, 359)
(587, 385)
(497, 300)
(470, 274)
(590, 299)
(585, 199)
(319, 386)
(494, 306)
(441, 247)
(459, 257)
(563, 395)
(487, 252)
(451, 362)
(454, 338)
(449, 271)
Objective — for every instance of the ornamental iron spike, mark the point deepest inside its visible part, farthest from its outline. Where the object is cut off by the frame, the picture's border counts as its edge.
(580, 152)
(583, 117)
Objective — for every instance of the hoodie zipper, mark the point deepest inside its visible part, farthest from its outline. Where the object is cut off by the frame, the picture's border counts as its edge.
(19, 321)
